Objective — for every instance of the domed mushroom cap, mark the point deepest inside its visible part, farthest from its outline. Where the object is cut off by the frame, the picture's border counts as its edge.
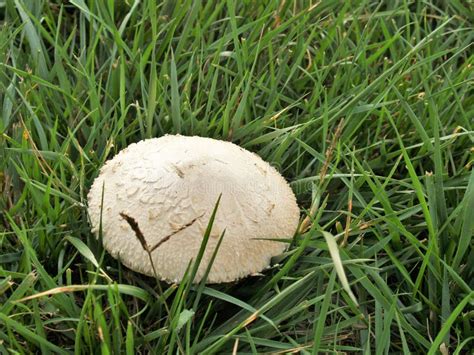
(170, 186)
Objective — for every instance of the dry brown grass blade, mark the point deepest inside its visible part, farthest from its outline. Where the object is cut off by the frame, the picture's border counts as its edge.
(136, 229)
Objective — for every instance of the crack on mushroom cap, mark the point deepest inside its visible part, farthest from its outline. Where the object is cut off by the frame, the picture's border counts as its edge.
(177, 170)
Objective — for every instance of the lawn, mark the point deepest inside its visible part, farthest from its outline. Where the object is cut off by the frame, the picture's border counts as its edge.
(365, 107)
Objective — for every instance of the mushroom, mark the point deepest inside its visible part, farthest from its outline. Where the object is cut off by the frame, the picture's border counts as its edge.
(169, 186)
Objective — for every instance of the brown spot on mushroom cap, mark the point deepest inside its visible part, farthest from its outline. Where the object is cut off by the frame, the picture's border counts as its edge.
(139, 182)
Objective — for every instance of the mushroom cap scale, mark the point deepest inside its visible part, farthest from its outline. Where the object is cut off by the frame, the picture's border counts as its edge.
(170, 185)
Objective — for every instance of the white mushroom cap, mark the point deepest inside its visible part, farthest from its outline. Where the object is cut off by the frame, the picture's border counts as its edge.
(171, 185)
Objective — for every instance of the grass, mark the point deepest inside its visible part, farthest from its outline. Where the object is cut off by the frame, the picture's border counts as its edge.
(386, 261)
